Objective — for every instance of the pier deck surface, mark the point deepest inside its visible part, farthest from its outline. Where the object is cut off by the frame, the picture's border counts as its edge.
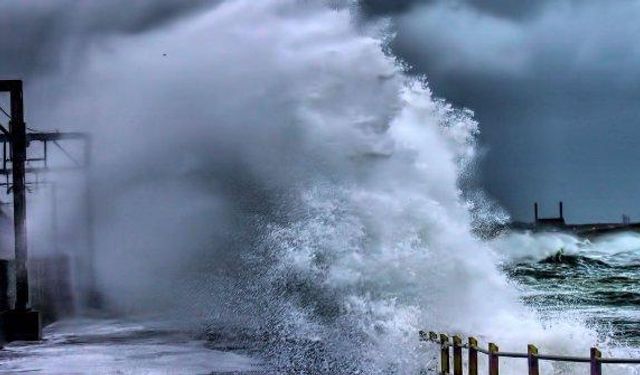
(110, 346)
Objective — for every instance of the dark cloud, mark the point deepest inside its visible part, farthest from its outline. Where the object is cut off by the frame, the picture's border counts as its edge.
(508, 8)
(554, 86)
(36, 36)
(386, 7)
(553, 83)
(504, 8)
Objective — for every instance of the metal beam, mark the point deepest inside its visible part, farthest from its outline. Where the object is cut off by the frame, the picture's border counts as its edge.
(18, 138)
(10, 85)
(9, 171)
(48, 136)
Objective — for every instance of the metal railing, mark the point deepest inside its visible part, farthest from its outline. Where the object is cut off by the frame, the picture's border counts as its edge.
(494, 354)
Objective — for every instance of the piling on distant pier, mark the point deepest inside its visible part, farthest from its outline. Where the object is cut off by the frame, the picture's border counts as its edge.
(557, 222)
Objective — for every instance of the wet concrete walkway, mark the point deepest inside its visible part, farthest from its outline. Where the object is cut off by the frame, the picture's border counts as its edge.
(109, 346)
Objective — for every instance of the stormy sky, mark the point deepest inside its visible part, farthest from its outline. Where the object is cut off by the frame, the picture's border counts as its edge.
(554, 83)
(37, 37)
(555, 86)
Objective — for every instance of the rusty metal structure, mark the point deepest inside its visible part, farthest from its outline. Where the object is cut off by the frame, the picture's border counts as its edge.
(21, 322)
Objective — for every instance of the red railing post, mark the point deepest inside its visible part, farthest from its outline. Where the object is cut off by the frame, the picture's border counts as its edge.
(473, 356)
(444, 354)
(457, 355)
(596, 365)
(532, 352)
(494, 361)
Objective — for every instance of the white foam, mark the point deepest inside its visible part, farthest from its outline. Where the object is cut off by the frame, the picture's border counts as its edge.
(277, 170)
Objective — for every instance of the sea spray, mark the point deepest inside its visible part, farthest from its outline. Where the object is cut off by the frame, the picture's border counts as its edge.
(592, 281)
(267, 171)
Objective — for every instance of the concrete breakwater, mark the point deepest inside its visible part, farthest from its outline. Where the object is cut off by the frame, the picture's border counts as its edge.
(559, 224)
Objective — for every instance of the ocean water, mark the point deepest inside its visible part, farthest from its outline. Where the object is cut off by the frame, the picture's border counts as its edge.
(595, 280)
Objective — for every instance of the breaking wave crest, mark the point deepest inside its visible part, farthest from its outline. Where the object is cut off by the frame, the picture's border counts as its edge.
(278, 179)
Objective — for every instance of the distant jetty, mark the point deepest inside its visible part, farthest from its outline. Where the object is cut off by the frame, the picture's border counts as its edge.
(559, 224)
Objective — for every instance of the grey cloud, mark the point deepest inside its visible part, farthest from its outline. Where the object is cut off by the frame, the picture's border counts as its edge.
(385, 7)
(509, 8)
(555, 93)
(502, 8)
(36, 35)
(554, 83)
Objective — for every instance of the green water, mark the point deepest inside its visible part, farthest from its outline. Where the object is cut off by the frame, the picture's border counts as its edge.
(595, 281)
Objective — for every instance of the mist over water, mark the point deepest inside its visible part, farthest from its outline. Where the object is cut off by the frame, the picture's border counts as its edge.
(266, 173)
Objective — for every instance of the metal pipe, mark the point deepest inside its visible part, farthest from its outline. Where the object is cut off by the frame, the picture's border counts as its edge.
(511, 355)
(561, 358)
(17, 128)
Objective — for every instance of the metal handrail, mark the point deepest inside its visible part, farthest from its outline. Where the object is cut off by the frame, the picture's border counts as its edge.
(564, 358)
(628, 361)
(532, 355)
(511, 355)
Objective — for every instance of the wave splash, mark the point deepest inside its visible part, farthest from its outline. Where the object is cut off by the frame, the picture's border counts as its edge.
(309, 192)
(594, 280)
